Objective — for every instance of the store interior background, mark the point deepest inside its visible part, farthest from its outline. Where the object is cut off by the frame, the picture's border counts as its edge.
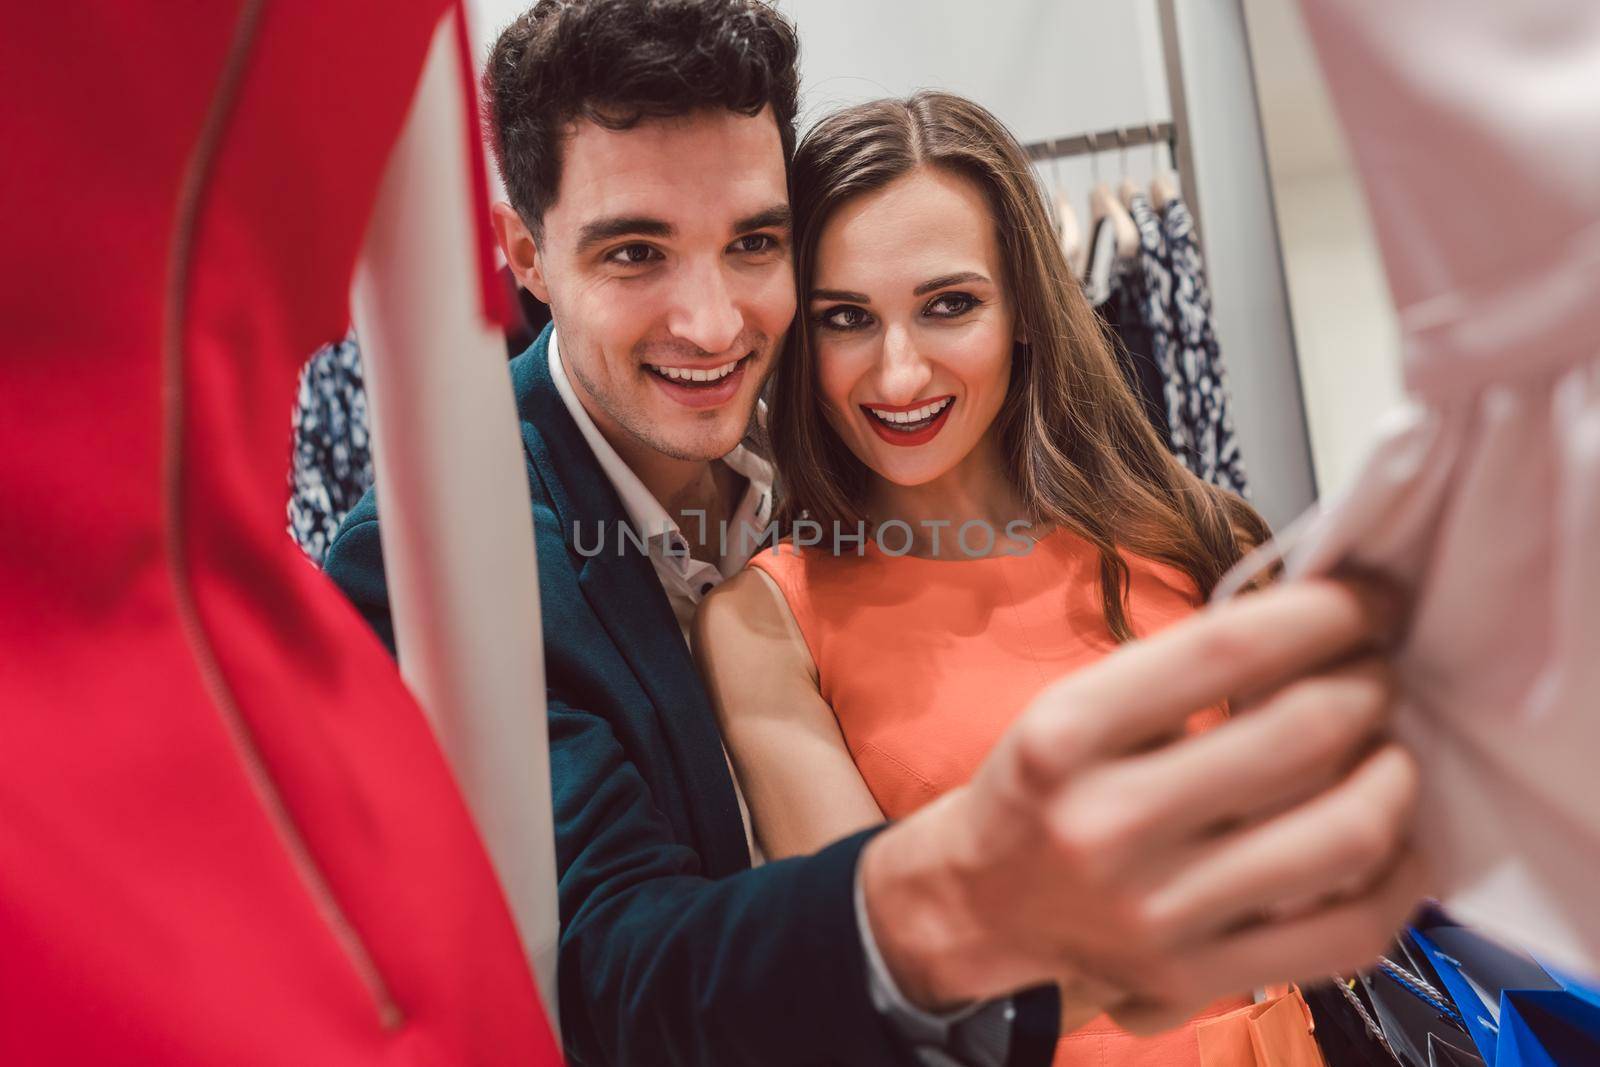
(1302, 314)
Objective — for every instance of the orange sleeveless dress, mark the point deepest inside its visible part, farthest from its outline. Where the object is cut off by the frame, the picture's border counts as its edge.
(927, 662)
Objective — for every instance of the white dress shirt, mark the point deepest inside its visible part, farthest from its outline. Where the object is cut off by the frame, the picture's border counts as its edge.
(686, 580)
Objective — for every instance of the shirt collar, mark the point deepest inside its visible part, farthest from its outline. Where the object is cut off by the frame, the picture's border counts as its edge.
(644, 511)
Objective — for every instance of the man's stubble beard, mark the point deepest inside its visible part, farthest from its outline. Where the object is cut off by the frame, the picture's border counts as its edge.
(640, 426)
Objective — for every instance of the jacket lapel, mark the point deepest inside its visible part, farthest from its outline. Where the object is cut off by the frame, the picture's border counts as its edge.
(622, 589)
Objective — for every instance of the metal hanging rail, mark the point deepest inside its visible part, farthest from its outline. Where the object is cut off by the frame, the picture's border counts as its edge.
(1104, 141)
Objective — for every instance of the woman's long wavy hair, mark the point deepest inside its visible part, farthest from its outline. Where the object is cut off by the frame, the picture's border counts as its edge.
(1082, 452)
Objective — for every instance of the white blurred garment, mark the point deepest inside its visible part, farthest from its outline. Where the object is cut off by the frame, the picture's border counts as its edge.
(1476, 129)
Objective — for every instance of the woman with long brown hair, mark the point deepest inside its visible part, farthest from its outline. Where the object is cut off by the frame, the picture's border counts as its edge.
(978, 504)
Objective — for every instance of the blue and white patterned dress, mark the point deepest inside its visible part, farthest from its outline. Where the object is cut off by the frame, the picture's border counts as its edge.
(332, 464)
(1165, 288)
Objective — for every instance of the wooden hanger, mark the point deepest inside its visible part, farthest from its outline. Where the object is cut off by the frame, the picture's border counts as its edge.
(1071, 233)
(1103, 204)
(1164, 185)
(1128, 189)
(1069, 230)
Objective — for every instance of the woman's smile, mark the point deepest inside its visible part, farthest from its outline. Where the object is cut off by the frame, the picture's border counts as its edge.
(909, 424)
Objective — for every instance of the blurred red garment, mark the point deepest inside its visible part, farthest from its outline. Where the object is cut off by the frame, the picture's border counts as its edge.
(227, 834)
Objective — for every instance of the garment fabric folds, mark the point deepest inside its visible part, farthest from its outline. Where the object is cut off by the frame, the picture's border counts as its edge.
(227, 834)
(1132, 303)
(1476, 130)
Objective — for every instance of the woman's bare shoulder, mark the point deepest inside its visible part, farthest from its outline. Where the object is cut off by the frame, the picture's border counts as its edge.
(746, 624)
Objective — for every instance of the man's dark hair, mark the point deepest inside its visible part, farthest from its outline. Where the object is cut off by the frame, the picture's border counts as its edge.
(616, 62)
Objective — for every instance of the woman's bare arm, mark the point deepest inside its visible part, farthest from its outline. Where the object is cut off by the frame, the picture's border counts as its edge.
(798, 777)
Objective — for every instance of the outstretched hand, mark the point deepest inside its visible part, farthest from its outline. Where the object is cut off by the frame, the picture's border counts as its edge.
(1101, 848)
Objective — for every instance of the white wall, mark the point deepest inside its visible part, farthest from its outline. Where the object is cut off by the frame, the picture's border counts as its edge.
(485, 21)
(1347, 331)
(1344, 324)
(1047, 67)
(1240, 236)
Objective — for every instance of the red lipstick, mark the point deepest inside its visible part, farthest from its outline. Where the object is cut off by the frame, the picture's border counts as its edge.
(908, 438)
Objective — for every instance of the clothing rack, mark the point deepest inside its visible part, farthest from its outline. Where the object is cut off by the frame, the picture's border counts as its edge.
(1104, 141)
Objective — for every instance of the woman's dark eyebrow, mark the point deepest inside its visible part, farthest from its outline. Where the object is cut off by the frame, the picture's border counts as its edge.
(949, 279)
(843, 295)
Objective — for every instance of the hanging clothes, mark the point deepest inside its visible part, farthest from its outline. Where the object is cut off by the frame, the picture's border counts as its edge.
(1127, 309)
(1481, 493)
(1197, 399)
(332, 464)
(1132, 343)
(1158, 306)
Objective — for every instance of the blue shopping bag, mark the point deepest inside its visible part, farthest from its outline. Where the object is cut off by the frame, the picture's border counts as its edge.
(1549, 1027)
(1518, 1013)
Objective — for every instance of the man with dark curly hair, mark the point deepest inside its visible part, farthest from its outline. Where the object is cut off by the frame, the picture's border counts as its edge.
(645, 146)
